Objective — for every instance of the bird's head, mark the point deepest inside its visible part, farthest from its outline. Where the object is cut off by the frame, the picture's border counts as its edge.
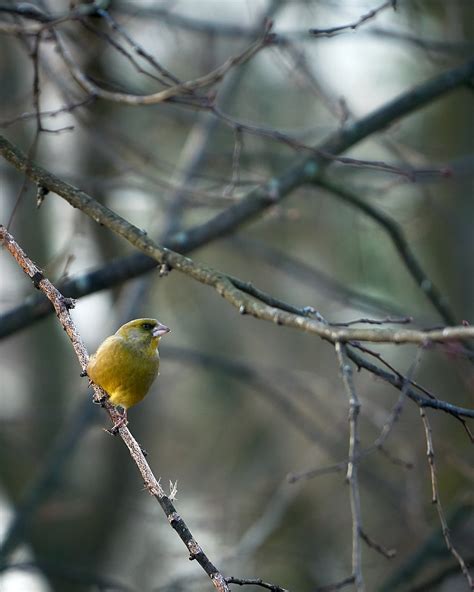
(143, 332)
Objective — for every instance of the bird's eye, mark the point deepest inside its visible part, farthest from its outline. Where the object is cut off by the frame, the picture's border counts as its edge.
(147, 326)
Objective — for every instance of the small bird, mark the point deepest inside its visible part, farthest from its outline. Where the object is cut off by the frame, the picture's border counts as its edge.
(126, 363)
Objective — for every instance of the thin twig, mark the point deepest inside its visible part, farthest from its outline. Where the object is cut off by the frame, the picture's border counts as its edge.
(137, 48)
(337, 468)
(387, 553)
(352, 468)
(47, 113)
(378, 356)
(397, 381)
(337, 585)
(377, 445)
(238, 143)
(44, 20)
(331, 31)
(277, 188)
(197, 143)
(367, 321)
(398, 407)
(436, 499)
(255, 582)
(294, 143)
(109, 39)
(164, 95)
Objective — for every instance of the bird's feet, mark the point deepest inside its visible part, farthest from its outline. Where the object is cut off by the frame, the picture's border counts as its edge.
(100, 400)
(121, 423)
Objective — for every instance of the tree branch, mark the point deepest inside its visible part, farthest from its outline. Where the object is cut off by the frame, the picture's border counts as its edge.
(436, 500)
(173, 91)
(268, 194)
(331, 31)
(352, 463)
(62, 306)
(244, 303)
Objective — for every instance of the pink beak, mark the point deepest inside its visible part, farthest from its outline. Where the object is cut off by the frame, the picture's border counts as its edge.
(160, 330)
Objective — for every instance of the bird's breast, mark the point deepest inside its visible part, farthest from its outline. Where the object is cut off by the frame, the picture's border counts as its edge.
(125, 371)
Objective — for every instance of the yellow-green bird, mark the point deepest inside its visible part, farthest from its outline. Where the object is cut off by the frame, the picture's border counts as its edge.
(126, 363)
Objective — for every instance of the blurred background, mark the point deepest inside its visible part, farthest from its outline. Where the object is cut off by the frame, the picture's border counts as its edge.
(240, 404)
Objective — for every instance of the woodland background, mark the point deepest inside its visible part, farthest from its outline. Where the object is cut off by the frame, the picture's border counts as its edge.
(242, 405)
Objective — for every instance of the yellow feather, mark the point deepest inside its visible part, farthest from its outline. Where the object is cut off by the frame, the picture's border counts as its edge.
(126, 364)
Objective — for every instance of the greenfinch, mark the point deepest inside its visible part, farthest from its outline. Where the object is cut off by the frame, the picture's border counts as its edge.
(126, 363)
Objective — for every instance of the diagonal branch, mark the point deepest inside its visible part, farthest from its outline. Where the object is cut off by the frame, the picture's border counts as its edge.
(62, 306)
(223, 284)
(278, 188)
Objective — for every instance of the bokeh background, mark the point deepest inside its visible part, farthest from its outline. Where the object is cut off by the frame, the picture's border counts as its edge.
(240, 404)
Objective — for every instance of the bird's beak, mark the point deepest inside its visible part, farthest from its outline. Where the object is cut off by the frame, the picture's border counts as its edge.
(160, 330)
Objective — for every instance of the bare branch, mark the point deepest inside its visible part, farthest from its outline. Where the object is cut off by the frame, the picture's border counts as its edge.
(337, 585)
(164, 95)
(46, 21)
(399, 382)
(47, 113)
(353, 459)
(368, 321)
(436, 499)
(331, 31)
(255, 582)
(62, 306)
(387, 553)
(278, 188)
(217, 280)
(380, 440)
